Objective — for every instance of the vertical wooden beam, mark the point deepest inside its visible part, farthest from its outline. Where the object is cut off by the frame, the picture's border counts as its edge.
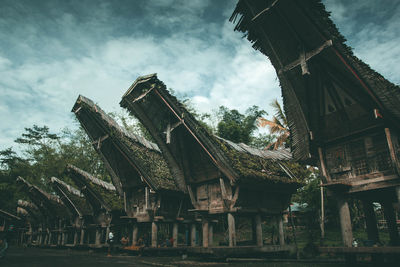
(390, 218)
(82, 241)
(280, 230)
(345, 220)
(75, 237)
(175, 234)
(193, 234)
(392, 151)
(135, 231)
(231, 230)
(205, 232)
(107, 233)
(210, 234)
(325, 173)
(154, 231)
(370, 220)
(258, 230)
(98, 236)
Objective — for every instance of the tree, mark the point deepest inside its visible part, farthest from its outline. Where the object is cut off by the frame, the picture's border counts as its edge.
(277, 126)
(238, 127)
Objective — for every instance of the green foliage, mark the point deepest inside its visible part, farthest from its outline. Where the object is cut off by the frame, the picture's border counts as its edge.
(238, 127)
(45, 154)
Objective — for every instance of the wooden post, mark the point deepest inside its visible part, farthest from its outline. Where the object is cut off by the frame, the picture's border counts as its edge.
(345, 221)
(257, 229)
(82, 236)
(135, 234)
(107, 233)
(49, 241)
(280, 230)
(210, 234)
(231, 230)
(175, 234)
(390, 218)
(98, 236)
(397, 189)
(322, 219)
(205, 233)
(75, 237)
(154, 230)
(193, 234)
(370, 220)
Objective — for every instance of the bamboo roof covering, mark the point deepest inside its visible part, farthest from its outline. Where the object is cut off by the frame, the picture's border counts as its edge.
(50, 204)
(72, 198)
(191, 150)
(100, 194)
(301, 41)
(131, 160)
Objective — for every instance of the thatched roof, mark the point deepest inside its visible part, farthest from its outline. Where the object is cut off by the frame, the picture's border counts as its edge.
(31, 208)
(100, 194)
(131, 159)
(293, 31)
(190, 149)
(72, 198)
(50, 204)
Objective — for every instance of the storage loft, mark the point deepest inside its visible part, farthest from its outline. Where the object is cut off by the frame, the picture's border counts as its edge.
(210, 168)
(138, 169)
(343, 116)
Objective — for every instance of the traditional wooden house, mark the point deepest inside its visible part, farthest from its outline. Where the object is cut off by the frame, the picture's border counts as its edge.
(138, 172)
(209, 168)
(101, 196)
(82, 215)
(342, 115)
(52, 207)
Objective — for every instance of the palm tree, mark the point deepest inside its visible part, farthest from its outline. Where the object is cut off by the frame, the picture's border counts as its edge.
(277, 126)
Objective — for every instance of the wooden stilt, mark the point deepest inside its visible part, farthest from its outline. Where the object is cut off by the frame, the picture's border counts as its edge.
(370, 220)
(258, 230)
(154, 231)
(98, 236)
(210, 234)
(193, 234)
(205, 233)
(75, 237)
(82, 241)
(345, 221)
(280, 230)
(390, 218)
(231, 230)
(107, 233)
(175, 234)
(135, 231)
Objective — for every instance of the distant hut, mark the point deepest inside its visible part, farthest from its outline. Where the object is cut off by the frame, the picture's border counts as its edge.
(342, 115)
(209, 168)
(33, 218)
(52, 207)
(100, 195)
(138, 171)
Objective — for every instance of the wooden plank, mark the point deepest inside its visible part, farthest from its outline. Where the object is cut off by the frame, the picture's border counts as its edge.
(231, 230)
(345, 221)
(264, 11)
(325, 173)
(392, 151)
(192, 198)
(360, 250)
(205, 232)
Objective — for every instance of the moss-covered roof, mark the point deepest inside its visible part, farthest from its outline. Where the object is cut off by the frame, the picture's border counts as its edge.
(282, 30)
(131, 157)
(103, 192)
(48, 203)
(150, 101)
(71, 197)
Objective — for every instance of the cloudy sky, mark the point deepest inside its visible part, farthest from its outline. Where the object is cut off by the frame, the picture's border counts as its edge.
(53, 50)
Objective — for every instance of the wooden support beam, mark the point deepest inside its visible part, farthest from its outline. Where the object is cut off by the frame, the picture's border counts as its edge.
(210, 234)
(325, 174)
(100, 140)
(280, 230)
(192, 198)
(392, 151)
(135, 230)
(97, 240)
(258, 230)
(205, 233)
(154, 231)
(390, 218)
(193, 234)
(75, 237)
(304, 57)
(82, 241)
(231, 230)
(370, 221)
(223, 189)
(175, 234)
(345, 220)
(264, 11)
